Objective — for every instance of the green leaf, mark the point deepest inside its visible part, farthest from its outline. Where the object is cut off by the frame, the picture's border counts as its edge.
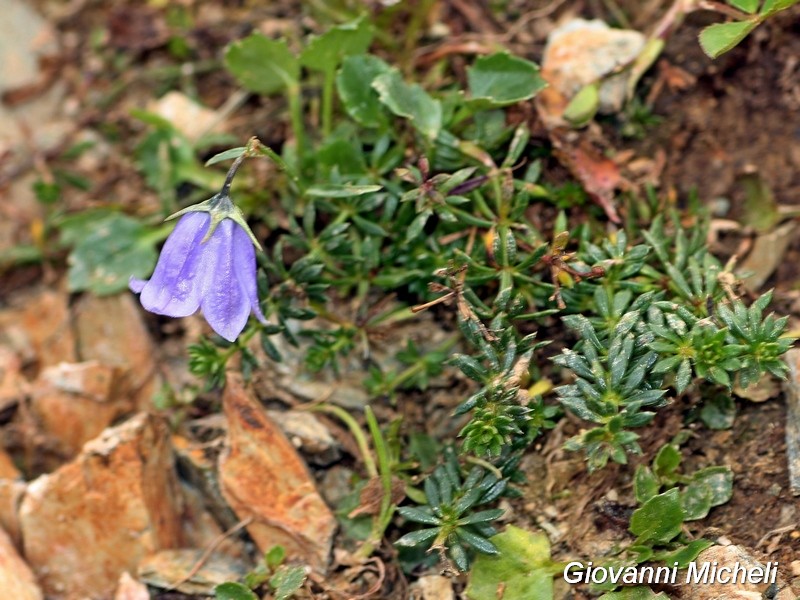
(233, 591)
(502, 79)
(523, 568)
(667, 461)
(748, 6)
(719, 480)
(685, 554)
(659, 519)
(227, 155)
(718, 412)
(409, 101)
(695, 501)
(262, 65)
(583, 106)
(108, 251)
(287, 580)
(645, 484)
(336, 190)
(325, 52)
(275, 556)
(719, 38)
(773, 6)
(360, 99)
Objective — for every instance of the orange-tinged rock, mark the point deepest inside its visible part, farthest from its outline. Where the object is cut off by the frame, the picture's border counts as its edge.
(111, 330)
(37, 327)
(98, 516)
(130, 589)
(11, 493)
(16, 580)
(262, 477)
(74, 403)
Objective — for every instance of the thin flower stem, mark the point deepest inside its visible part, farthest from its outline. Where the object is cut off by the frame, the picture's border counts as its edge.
(355, 429)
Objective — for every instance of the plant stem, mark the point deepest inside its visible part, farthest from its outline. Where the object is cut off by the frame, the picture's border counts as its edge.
(355, 429)
(296, 116)
(327, 103)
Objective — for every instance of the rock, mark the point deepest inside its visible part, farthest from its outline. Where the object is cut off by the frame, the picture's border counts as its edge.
(581, 52)
(8, 469)
(792, 387)
(98, 516)
(729, 556)
(263, 478)
(37, 328)
(308, 435)
(187, 116)
(111, 330)
(74, 403)
(130, 589)
(167, 568)
(13, 385)
(16, 578)
(25, 39)
(11, 493)
(435, 587)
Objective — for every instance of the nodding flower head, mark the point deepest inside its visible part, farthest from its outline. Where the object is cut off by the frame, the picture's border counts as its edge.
(207, 263)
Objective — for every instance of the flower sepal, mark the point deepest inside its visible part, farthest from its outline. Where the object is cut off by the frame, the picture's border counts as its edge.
(219, 207)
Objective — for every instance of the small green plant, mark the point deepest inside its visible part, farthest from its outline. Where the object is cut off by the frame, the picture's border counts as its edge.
(748, 14)
(282, 580)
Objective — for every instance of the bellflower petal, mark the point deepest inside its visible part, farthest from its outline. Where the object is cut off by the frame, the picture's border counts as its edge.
(245, 266)
(224, 304)
(214, 272)
(172, 290)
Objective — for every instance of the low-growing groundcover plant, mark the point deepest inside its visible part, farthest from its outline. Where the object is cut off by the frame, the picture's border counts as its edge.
(409, 198)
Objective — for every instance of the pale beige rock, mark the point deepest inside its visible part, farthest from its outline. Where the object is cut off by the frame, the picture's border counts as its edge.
(130, 589)
(177, 569)
(111, 330)
(308, 434)
(264, 479)
(16, 580)
(74, 403)
(98, 516)
(186, 115)
(729, 556)
(435, 587)
(581, 52)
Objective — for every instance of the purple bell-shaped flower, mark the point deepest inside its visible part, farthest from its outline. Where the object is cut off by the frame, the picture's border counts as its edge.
(207, 263)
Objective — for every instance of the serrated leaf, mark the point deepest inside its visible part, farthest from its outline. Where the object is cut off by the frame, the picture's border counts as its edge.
(325, 52)
(719, 38)
(409, 101)
(502, 79)
(286, 581)
(659, 519)
(523, 568)
(748, 6)
(262, 65)
(667, 461)
(354, 83)
(719, 480)
(695, 501)
(773, 6)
